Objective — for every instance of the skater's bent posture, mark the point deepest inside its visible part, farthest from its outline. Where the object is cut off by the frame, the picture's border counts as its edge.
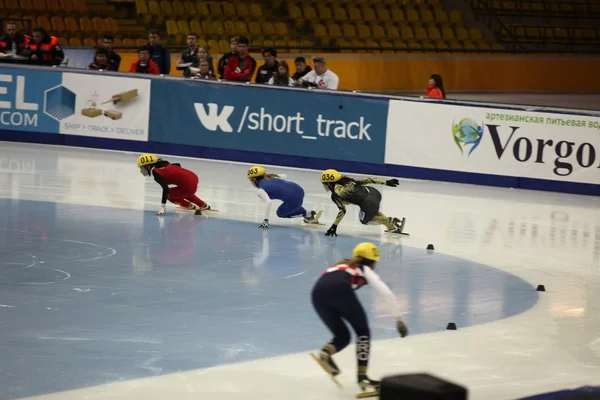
(345, 190)
(277, 187)
(334, 301)
(165, 174)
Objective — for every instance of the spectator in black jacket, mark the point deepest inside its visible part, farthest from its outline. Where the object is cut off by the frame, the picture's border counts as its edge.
(301, 69)
(266, 71)
(13, 40)
(101, 61)
(113, 58)
(233, 42)
(189, 56)
(159, 54)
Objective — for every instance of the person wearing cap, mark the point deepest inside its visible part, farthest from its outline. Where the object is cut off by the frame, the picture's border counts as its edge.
(321, 77)
(335, 302)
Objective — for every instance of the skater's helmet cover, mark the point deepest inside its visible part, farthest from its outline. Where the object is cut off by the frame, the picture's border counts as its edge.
(256, 172)
(146, 159)
(330, 176)
(366, 250)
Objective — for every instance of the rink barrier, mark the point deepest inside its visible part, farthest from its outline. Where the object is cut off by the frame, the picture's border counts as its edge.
(405, 137)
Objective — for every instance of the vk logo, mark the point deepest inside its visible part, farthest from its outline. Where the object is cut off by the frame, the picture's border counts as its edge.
(213, 119)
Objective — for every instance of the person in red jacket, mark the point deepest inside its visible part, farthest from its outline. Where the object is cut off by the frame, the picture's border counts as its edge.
(240, 67)
(165, 174)
(44, 49)
(144, 65)
(435, 90)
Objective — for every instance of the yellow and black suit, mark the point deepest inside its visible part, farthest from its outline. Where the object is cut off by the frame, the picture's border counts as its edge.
(366, 197)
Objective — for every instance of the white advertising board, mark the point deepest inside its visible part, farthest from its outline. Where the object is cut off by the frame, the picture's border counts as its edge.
(108, 107)
(494, 141)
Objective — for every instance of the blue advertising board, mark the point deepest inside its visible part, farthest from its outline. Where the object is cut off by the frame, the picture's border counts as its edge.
(33, 100)
(297, 123)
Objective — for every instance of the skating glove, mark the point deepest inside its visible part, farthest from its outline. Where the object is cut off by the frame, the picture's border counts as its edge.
(332, 231)
(392, 182)
(401, 327)
(162, 211)
(265, 224)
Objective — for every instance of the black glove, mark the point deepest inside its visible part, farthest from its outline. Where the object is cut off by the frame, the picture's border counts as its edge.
(331, 231)
(401, 327)
(392, 182)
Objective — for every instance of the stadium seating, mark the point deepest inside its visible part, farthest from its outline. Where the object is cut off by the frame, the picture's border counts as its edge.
(536, 24)
(362, 25)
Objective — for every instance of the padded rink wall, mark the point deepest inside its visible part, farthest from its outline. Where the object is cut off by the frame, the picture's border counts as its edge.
(488, 144)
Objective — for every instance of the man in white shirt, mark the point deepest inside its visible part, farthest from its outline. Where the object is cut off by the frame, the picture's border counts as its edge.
(320, 77)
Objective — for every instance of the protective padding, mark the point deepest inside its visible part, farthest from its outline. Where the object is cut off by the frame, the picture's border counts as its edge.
(421, 387)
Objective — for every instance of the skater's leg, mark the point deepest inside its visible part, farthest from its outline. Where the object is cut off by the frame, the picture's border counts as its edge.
(354, 313)
(177, 196)
(332, 319)
(196, 200)
(291, 208)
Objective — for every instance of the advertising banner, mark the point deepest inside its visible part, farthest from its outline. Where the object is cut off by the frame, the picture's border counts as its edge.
(494, 141)
(76, 104)
(300, 123)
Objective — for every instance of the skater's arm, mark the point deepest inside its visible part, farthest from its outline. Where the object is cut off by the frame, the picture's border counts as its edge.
(341, 212)
(265, 197)
(161, 181)
(375, 281)
(374, 181)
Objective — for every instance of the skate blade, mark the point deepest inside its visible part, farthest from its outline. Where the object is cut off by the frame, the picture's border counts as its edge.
(318, 360)
(364, 395)
(312, 224)
(211, 210)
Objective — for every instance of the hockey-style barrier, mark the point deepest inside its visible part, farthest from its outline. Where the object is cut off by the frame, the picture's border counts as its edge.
(475, 143)
(513, 146)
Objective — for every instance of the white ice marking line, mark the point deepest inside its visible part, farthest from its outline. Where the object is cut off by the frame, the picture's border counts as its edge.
(82, 290)
(243, 121)
(6, 306)
(309, 137)
(92, 244)
(295, 275)
(67, 276)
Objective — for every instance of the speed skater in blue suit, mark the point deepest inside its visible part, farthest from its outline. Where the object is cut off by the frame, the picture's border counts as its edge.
(277, 187)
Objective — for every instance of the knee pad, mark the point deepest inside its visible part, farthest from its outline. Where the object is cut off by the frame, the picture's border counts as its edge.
(361, 217)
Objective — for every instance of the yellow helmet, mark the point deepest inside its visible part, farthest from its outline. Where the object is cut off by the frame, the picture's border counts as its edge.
(330, 176)
(256, 172)
(146, 159)
(366, 250)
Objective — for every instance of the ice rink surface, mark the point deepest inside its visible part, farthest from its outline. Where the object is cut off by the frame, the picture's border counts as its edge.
(101, 299)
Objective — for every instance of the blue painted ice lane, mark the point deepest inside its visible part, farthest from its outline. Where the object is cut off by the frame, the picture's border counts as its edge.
(90, 295)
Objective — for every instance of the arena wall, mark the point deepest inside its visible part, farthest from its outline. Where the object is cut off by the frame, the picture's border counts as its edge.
(476, 143)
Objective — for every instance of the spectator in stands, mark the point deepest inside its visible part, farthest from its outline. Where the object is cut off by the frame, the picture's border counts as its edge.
(435, 90)
(223, 61)
(101, 61)
(43, 49)
(159, 54)
(203, 56)
(14, 41)
(266, 71)
(241, 67)
(203, 71)
(189, 57)
(301, 68)
(144, 65)
(321, 76)
(282, 76)
(113, 58)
